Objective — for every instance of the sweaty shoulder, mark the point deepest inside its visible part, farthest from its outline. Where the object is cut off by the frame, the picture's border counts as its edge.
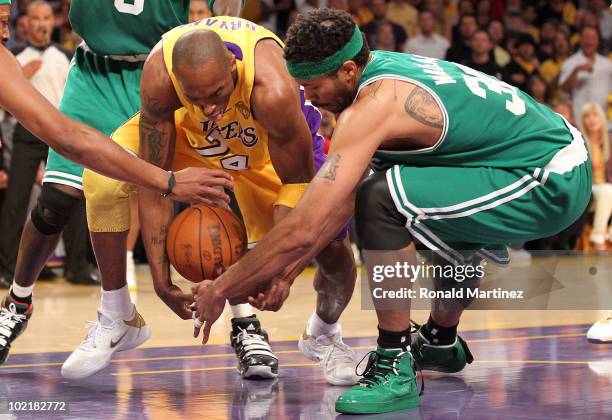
(269, 61)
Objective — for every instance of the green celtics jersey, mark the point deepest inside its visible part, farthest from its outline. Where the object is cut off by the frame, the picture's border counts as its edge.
(125, 27)
(487, 123)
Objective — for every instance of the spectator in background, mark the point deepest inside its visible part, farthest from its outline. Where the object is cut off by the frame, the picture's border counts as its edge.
(538, 88)
(546, 46)
(428, 43)
(404, 13)
(481, 58)
(460, 48)
(566, 110)
(601, 9)
(20, 32)
(587, 75)
(497, 35)
(528, 18)
(593, 126)
(385, 39)
(198, 10)
(436, 7)
(361, 14)
(483, 13)
(379, 10)
(523, 64)
(46, 66)
(551, 68)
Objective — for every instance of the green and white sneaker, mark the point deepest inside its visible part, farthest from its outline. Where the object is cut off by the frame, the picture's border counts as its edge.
(449, 359)
(388, 384)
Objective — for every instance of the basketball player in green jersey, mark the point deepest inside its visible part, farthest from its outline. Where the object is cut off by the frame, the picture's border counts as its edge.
(472, 164)
(102, 91)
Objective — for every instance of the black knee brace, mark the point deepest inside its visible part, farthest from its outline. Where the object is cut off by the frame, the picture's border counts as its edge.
(469, 280)
(380, 226)
(53, 210)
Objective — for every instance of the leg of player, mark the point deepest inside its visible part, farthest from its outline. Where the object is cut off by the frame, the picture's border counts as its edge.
(322, 339)
(389, 379)
(38, 241)
(131, 242)
(119, 326)
(436, 346)
(251, 344)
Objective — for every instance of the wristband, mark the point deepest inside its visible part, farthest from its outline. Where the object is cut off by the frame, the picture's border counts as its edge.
(171, 185)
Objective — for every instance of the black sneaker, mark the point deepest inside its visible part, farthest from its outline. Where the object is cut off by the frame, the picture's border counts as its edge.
(250, 342)
(14, 316)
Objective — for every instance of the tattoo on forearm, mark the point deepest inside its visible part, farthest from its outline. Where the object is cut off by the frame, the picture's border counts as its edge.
(153, 142)
(329, 168)
(421, 106)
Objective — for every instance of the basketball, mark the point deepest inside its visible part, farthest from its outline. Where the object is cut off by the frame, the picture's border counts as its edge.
(203, 241)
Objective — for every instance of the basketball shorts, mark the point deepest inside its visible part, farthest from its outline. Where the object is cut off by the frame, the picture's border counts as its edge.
(256, 189)
(463, 211)
(100, 93)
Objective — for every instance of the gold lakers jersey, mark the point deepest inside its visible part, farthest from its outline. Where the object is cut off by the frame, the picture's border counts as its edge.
(237, 142)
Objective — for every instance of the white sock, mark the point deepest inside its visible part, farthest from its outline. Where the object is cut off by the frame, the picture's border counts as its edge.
(316, 327)
(241, 310)
(116, 304)
(22, 292)
(130, 256)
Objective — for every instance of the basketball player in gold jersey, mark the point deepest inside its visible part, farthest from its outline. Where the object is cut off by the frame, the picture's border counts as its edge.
(217, 94)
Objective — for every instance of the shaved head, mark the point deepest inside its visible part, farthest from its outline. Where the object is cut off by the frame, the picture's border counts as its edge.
(199, 48)
(206, 71)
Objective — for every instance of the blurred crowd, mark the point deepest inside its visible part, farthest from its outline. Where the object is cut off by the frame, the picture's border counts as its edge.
(558, 51)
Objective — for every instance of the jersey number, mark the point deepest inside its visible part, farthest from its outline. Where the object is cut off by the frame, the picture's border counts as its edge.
(475, 81)
(219, 148)
(134, 7)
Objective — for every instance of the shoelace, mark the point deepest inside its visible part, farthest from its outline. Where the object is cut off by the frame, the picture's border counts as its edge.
(8, 321)
(253, 341)
(90, 340)
(340, 351)
(607, 320)
(377, 369)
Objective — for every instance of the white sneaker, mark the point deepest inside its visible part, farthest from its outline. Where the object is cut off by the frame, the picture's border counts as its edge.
(336, 358)
(601, 332)
(105, 337)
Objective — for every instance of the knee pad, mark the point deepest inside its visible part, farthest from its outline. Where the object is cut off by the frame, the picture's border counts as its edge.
(379, 225)
(53, 210)
(468, 282)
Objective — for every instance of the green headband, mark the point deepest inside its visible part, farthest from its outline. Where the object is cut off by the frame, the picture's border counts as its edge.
(3, 2)
(313, 69)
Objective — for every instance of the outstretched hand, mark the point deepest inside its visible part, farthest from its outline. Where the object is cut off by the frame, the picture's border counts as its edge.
(202, 185)
(273, 297)
(209, 307)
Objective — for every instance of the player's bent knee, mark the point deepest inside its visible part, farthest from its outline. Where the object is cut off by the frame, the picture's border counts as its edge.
(379, 225)
(107, 203)
(53, 210)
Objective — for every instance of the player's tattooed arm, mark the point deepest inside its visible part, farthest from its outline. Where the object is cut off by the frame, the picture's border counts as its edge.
(421, 106)
(158, 103)
(330, 167)
(157, 141)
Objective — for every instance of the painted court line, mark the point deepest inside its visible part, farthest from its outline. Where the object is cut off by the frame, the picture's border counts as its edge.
(217, 355)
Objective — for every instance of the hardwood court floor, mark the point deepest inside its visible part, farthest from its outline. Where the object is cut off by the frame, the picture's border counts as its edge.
(529, 364)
